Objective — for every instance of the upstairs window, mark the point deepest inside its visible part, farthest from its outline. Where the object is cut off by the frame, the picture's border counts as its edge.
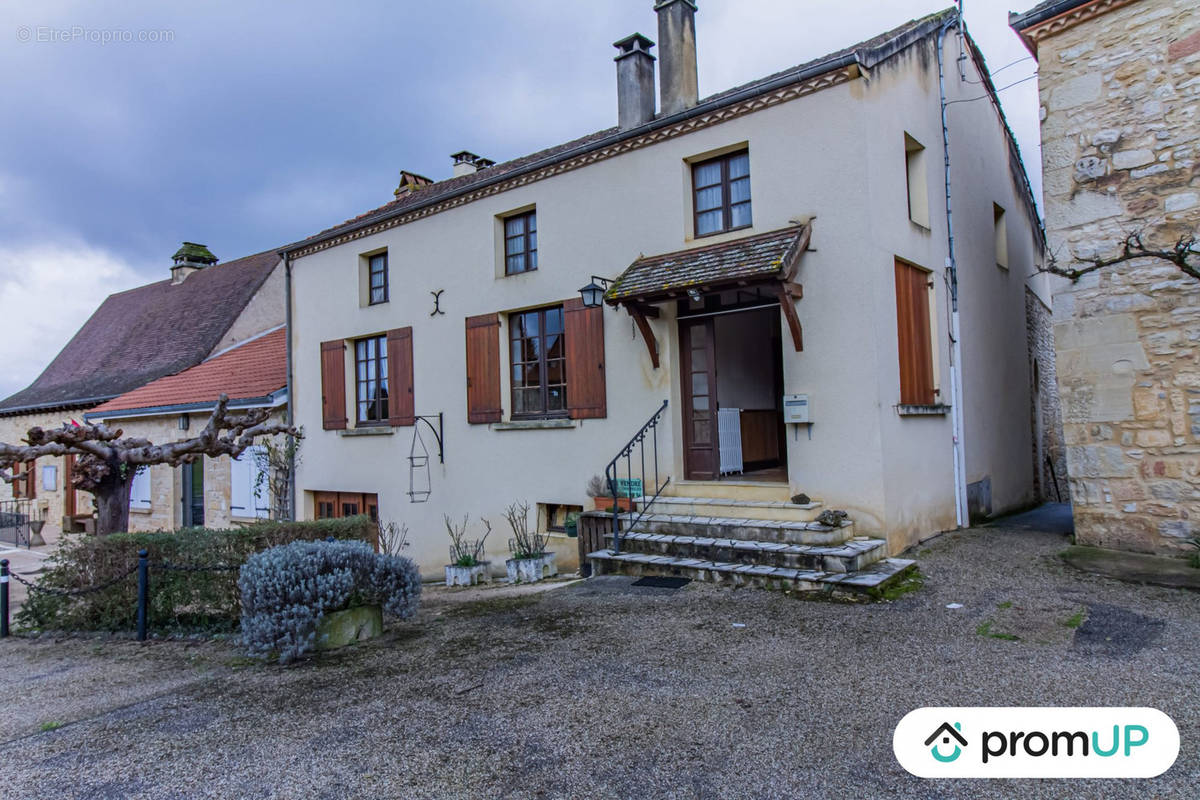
(539, 363)
(1001, 232)
(722, 193)
(918, 186)
(377, 277)
(370, 373)
(520, 243)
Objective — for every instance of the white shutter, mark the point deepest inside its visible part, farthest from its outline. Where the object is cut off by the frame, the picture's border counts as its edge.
(260, 484)
(244, 484)
(139, 490)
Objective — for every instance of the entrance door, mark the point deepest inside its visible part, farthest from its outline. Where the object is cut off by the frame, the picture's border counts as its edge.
(700, 456)
(193, 493)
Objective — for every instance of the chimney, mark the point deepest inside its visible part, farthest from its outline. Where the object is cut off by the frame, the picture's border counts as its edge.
(464, 163)
(410, 182)
(677, 51)
(189, 258)
(635, 81)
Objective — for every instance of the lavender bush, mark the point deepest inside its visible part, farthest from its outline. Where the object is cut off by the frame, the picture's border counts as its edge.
(287, 590)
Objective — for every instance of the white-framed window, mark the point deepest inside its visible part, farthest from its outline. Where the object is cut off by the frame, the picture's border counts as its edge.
(250, 493)
(50, 478)
(139, 490)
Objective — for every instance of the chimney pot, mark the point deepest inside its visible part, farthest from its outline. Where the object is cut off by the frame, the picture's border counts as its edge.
(678, 84)
(190, 257)
(635, 81)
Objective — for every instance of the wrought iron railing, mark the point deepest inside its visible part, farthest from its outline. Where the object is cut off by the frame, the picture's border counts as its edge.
(647, 433)
(21, 522)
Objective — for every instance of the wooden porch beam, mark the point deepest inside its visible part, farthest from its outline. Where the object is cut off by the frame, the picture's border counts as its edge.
(646, 309)
(639, 317)
(789, 312)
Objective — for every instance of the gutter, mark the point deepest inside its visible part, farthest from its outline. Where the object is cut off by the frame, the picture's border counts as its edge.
(272, 400)
(65, 405)
(1033, 17)
(867, 58)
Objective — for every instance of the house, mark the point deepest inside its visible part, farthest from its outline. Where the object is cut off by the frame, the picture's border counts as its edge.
(1119, 83)
(772, 261)
(134, 338)
(213, 492)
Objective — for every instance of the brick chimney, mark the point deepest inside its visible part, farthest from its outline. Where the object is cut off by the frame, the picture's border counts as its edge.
(635, 81)
(677, 53)
(189, 258)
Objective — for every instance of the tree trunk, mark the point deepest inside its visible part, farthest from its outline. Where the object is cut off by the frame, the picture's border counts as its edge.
(112, 505)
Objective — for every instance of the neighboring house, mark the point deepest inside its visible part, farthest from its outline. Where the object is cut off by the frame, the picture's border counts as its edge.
(462, 298)
(1120, 92)
(212, 492)
(133, 338)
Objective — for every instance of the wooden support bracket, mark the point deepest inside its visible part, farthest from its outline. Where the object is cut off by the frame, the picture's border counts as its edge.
(638, 312)
(787, 301)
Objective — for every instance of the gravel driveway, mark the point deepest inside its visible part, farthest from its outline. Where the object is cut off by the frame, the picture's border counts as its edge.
(600, 690)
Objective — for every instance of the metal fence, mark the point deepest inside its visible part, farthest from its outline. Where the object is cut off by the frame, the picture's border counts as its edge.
(21, 522)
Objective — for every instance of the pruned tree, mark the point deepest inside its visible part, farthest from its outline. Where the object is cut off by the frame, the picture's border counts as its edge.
(1184, 254)
(106, 461)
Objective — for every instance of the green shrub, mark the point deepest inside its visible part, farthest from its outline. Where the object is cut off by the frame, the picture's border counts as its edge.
(179, 600)
(287, 590)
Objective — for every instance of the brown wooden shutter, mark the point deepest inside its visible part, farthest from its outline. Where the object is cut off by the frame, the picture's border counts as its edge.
(333, 385)
(586, 394)
(483, 369)
(916, 349)
(401, 403)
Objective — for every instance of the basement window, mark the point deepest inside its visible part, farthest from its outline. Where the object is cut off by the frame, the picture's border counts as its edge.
(918, 187)
(553, 517)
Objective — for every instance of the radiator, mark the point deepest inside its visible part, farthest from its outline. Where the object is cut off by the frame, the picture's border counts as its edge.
(729, 439)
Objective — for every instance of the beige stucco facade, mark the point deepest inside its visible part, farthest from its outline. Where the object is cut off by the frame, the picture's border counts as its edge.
(1120, 93)
(835, 153)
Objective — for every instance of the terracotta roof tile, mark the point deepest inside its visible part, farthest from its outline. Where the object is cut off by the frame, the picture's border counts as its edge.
(255, 368)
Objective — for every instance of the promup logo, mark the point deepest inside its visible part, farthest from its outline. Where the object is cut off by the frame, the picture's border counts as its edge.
(946, 732)
(1036, 742)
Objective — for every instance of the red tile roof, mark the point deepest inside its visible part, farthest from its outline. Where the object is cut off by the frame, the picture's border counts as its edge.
(253, 369)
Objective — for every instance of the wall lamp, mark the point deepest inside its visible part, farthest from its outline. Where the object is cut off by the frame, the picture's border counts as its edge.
(593, 293)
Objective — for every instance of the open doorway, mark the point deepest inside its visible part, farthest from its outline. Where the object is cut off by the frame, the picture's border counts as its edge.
(732, 379)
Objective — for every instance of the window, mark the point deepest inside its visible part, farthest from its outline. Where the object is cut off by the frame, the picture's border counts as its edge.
(139, 490)
(539, 364)
(918, 188)
(1001, 231)
(370, 373)
(336, 505)
(250, 492)
(913, 286)
(722, 193)
(520, 243)
(377, 275)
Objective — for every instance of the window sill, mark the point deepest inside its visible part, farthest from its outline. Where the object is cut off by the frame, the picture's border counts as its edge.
(534, 425)
(373, 430)
(141, 511)
(935, 410)
(247, 520)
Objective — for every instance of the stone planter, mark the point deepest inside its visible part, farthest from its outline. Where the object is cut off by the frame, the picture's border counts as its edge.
(531, 569)
(349, 626)
(468, 576)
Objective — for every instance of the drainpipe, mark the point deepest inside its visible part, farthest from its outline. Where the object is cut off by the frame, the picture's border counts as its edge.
(291, 406)
(956, 389)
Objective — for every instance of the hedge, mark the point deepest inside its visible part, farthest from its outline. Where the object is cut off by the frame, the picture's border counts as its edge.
(179, 599)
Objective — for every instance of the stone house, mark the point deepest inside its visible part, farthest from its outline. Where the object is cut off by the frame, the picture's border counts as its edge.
(213, 492)
(134, 338)
(1120, 95)
(775, 262)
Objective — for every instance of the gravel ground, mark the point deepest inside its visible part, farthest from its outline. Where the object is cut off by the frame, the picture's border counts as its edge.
(600, 690)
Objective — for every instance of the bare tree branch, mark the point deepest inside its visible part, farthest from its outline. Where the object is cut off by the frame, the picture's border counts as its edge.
(1184, 254)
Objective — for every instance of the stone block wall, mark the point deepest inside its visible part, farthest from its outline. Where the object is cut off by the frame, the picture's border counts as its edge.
(1049, 454)
(1120, 94)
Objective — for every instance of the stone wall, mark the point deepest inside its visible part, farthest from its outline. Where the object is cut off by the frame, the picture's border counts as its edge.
(1120, 97)
(1049, 454)
(13, 430)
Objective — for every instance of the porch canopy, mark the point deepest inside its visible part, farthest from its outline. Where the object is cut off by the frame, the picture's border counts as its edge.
(765, 259)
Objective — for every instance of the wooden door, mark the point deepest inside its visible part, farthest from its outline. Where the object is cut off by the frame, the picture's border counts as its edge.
(701, 459)
(68, 485)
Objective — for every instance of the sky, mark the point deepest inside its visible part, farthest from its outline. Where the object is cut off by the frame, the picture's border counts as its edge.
(247, 125)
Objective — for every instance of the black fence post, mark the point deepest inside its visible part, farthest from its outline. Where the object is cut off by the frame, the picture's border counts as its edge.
(3, 598)
(143, 591)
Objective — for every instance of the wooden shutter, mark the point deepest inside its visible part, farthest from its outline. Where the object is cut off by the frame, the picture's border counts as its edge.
(333, 385)
(24, 486)
(483, 369)
(69, 485)
(586, 395)
(401, 404)
(916, 349)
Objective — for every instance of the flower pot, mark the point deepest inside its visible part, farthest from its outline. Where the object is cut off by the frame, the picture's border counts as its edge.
(349, 626)
(468, 576)
(623, 503)
(531, 570)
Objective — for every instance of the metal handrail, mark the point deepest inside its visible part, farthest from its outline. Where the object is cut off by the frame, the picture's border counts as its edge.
(611, 472)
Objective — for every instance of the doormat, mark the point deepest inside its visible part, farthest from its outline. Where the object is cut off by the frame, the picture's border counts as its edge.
(659, 582)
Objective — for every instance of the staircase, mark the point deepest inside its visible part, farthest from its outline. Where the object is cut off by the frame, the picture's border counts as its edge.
(746, 534)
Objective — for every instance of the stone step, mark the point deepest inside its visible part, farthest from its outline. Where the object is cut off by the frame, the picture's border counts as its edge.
(851, 556)
(730, 489)
(783, 510)
(868, 582)
(758, 530)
